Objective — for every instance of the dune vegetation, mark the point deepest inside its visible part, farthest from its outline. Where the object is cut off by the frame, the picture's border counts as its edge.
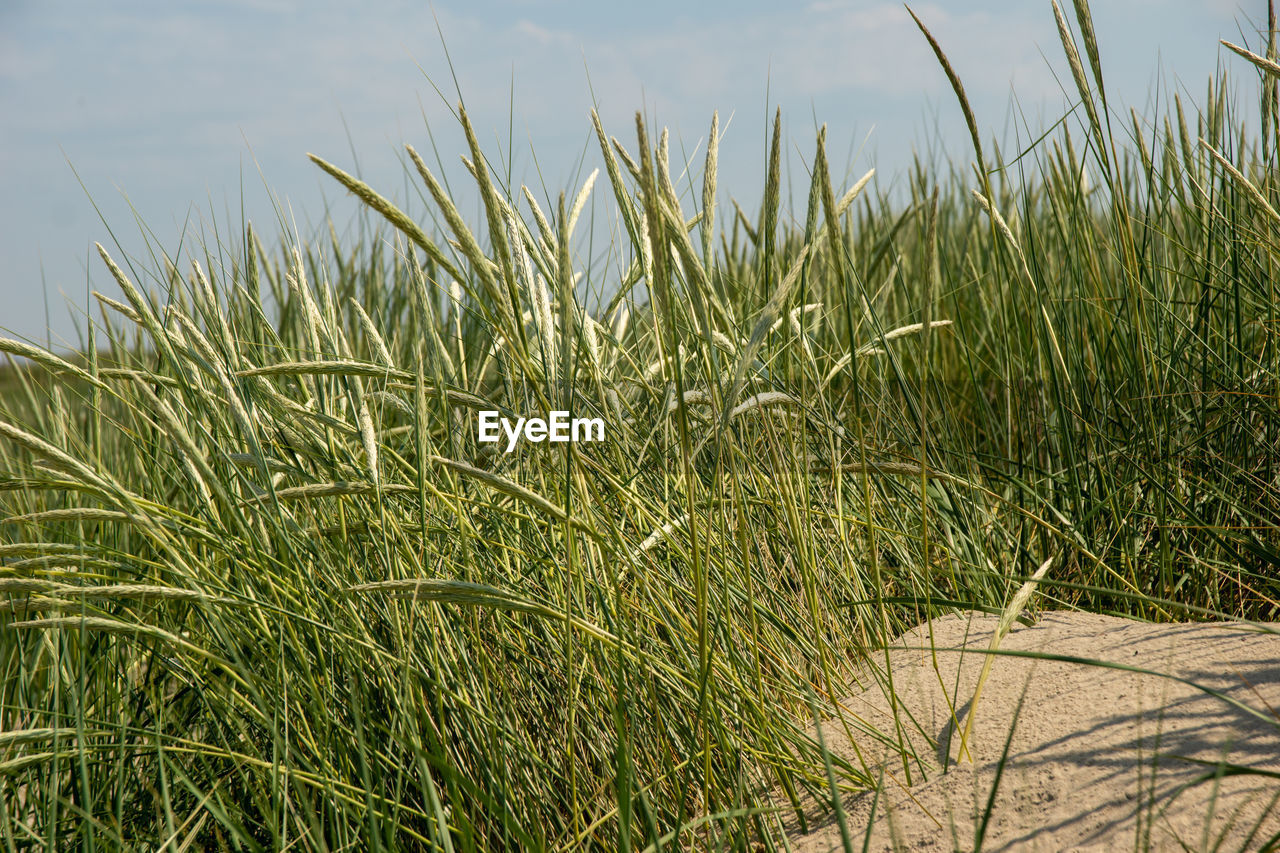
(263, 588)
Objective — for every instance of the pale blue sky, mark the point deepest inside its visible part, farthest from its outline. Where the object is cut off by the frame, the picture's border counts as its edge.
(171, 103)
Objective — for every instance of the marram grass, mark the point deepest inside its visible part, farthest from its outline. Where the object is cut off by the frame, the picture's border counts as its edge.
(266, 590)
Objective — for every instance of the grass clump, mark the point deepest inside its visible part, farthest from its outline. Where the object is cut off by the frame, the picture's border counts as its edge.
(264, 588)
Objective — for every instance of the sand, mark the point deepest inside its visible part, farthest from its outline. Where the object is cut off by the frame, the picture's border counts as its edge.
(1098, 758)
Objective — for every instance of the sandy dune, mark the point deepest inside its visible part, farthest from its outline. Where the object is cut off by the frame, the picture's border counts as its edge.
(1098, 758)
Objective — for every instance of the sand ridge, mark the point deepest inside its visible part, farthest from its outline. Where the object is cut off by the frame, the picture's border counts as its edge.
(1098, 758)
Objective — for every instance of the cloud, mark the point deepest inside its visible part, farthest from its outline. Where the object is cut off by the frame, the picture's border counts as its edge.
(541, 35)
(831, 46)
(18, 63)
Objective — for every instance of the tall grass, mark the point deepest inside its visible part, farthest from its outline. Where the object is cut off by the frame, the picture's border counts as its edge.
(266, 589)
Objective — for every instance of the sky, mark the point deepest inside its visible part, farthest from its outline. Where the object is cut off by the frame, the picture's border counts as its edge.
(173, 118)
